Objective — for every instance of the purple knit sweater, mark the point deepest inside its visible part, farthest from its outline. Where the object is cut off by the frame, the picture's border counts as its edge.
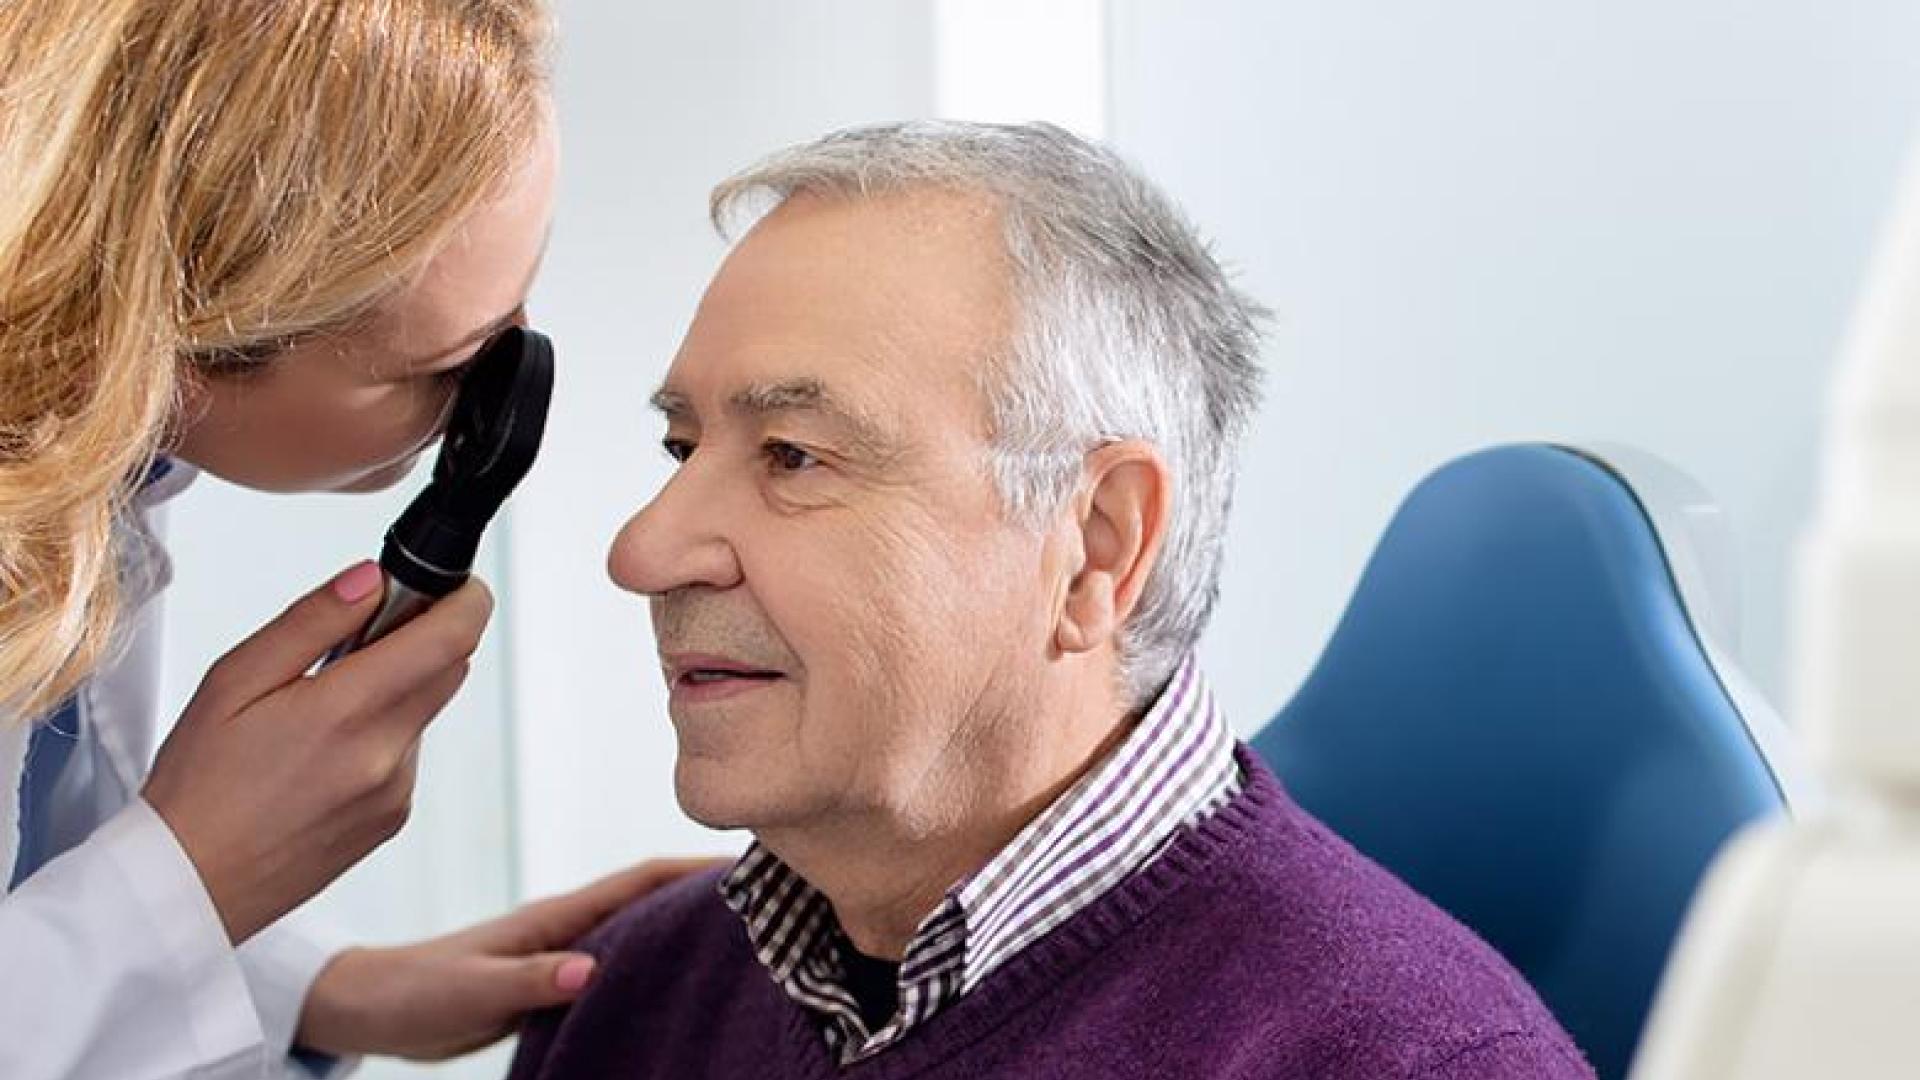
(1258, 945)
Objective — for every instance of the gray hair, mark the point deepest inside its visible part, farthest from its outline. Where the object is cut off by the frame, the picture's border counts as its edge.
(1127, 328)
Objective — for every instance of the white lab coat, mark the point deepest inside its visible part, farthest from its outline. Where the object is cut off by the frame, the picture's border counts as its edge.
(113, 962)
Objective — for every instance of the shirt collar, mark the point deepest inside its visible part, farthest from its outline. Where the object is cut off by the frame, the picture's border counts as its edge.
(145, 568)
(1175, 766)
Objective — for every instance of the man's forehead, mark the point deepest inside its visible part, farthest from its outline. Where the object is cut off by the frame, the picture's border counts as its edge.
(913, 211)
(832, 308)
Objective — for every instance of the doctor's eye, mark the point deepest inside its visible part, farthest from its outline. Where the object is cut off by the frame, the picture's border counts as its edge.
(788, 458)
(678, 449)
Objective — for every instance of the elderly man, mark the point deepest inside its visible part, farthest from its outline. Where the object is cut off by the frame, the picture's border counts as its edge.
(956, 429)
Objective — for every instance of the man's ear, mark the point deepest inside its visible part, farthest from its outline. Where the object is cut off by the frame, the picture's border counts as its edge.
(1122, 520)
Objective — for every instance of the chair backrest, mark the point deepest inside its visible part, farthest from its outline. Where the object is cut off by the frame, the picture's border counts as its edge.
(1516, 717)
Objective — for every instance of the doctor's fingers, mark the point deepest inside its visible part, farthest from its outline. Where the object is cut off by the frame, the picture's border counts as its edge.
(558, 921)
(369, 683)
(376, 772)
(296, 639)
(396, 729)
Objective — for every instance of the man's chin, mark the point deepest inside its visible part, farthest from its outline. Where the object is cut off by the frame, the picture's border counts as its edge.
(711, 808)
(710, 796)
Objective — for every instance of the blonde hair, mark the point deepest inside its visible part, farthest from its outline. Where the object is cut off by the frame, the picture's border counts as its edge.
(190, 185)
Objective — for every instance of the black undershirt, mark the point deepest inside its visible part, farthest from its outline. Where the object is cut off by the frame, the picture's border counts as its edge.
(874, 984)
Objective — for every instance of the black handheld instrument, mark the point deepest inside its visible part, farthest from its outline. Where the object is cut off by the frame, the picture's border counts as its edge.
(492, 436)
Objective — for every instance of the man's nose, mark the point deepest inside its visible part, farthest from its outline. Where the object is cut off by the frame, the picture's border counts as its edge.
(677, 540)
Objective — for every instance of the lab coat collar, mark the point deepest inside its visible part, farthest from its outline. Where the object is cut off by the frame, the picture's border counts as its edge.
(166, 478)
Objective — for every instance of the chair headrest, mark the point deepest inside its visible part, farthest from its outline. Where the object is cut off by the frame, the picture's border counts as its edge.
(1516, 717)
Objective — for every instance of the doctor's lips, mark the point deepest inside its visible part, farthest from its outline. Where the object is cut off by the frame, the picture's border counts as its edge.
(707, 677)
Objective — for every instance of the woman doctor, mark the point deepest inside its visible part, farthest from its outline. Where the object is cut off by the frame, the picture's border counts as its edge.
(258, 238)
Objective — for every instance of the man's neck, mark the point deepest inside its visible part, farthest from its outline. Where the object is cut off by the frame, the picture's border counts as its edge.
(885, 872)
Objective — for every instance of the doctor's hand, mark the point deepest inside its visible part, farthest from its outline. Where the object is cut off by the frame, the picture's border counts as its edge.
(450, 995)
(275, 782)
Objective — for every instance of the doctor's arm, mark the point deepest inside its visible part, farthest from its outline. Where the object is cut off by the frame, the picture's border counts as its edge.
(295, 778)
(118, 959)
(116, 967)
(449, 995)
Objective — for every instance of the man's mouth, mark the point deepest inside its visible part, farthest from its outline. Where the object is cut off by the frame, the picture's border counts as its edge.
(710, 676)
(699, 677)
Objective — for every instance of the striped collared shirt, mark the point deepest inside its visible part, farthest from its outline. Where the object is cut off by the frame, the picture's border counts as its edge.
(1175, 767)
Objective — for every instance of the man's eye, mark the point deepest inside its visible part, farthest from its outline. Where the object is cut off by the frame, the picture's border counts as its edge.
(678, 449)
(786, 457)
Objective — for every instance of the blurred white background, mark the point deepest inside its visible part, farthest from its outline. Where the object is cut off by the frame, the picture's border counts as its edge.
(1631, 222)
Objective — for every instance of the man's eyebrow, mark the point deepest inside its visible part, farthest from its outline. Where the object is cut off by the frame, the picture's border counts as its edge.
(788, 395)
(671, 404)
(801, 395)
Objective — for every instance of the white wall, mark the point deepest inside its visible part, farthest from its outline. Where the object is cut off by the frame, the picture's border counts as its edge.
(1009, 61)
(1489, 220)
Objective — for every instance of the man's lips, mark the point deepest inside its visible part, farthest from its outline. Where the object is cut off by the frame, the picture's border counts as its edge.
(706, 677)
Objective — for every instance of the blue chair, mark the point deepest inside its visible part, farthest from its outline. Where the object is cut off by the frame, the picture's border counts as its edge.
(1517, 717)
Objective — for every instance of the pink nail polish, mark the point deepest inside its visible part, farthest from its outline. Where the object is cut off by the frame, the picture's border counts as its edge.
(573, 975)
(358, 582)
